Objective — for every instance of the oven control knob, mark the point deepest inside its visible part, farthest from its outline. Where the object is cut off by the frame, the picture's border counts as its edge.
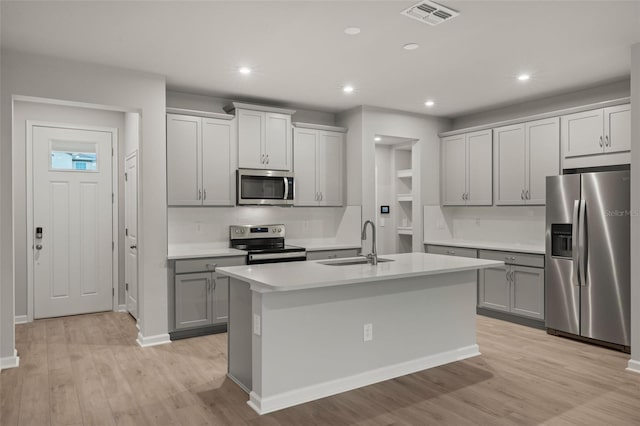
(279, 229)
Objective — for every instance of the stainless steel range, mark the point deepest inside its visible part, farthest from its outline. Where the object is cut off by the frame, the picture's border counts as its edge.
(264, 244)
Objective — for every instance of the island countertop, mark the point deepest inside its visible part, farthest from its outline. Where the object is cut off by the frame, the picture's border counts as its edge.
(313, 274)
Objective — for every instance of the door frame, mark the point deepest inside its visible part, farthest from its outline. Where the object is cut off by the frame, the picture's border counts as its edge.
(114, 206)
(132, 154)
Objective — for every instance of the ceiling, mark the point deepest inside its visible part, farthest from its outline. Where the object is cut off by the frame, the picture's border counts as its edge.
(300, 55)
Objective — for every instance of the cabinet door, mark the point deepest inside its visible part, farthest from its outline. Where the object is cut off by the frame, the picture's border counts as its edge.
(543, 159)
(184, 186)
(330, 164)
(193, 301)
(582, 133)
(278, 141)
(220, 298)
(509, 163)
(251, 128)
(479, 166)
(453, 170)
(617, 130)
(493, 289)
(304, 166)
(218, 162)
(527, 292)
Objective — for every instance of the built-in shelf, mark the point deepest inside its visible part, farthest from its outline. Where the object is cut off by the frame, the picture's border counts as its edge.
(405, 230)
(405, 197)
(406, 173)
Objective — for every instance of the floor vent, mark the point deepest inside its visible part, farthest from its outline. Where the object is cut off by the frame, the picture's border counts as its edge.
(430, 13)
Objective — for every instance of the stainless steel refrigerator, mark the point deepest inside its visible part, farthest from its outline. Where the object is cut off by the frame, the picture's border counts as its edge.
(587, 264)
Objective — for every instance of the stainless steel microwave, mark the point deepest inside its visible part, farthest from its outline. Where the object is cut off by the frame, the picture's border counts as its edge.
(265, 187)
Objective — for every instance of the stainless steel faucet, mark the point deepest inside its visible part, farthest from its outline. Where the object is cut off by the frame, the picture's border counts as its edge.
(372, 257)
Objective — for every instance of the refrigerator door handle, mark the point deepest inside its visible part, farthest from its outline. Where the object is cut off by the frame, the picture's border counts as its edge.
(575, 276)
(582, 246)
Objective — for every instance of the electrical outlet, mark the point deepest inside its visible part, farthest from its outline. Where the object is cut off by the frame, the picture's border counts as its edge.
(368, 332)
(257, 325)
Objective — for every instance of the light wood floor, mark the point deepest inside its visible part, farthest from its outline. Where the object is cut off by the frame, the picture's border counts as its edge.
(89, 370)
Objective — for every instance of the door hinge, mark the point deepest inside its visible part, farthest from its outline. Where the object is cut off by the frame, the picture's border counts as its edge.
(126, 232)
(126, 286)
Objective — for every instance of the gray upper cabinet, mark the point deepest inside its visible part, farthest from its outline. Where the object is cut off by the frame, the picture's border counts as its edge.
(524, 155)
(201, 161)
(467, 169)
(318, 162)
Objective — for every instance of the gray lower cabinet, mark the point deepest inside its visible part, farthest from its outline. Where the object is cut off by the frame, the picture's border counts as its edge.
(513, 288)
(332, 254)
(200, 302)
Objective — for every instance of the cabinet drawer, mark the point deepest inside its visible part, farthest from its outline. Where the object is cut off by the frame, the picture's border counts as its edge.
(207, 264)
(452, 251)
(513, 258)
(332, 254)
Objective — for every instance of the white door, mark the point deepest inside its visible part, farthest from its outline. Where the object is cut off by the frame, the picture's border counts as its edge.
(218, 165)
(617, 131)
(251, 128)
(454, 170)
(304, 166)
(131, 233)
(184, 174)
(278, 141)
(582, 133)
(479, 175)
(72, 206)
(543, 149)
(330, 166)
(509, 146)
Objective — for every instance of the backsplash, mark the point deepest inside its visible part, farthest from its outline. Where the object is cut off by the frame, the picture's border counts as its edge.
(522, 224)
(331, 225)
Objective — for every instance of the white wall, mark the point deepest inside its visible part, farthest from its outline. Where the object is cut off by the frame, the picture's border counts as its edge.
(304, 225)
(22, 112)
(54, 78)
(600, 93)
(634, 363)
(214, 104)
(384, 196)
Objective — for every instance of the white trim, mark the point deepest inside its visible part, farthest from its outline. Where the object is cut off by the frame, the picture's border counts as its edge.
(21, 319)
(122, 308)
(240, 105)
(319, 127)
(322, 390)
(115, 219)
(10, 361)
(534, 117)
(30, 124)
(52, 101)
(198, 113)
(633, 366)
(158, 339)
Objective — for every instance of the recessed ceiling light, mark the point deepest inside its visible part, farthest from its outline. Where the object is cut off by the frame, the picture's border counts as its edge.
(244, 70)
(411, 46)
(352, 30)
(429, 103)
(377, 139)
(347, 89)
(524, 77)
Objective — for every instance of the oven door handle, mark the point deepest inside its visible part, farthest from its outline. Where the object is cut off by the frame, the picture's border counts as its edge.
(269, 256)
(286, 188)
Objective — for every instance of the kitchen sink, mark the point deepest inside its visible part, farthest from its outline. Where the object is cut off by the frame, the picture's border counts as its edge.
(348, 262)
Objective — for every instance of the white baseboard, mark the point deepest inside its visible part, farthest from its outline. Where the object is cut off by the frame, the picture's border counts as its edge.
(10, 361)
(159, 339)
(21, 319)
(322, 390)
(122, 308)
(633, 366)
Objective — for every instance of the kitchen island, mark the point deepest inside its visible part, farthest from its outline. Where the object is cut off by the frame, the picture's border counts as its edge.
(301, 331)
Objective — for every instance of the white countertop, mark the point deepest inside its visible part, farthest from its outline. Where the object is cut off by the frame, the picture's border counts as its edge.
(199, 250)
(490, 245)
(305, 275)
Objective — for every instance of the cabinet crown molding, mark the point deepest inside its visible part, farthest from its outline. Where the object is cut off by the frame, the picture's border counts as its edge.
(239, 105)
(319, 127)
(198, 113)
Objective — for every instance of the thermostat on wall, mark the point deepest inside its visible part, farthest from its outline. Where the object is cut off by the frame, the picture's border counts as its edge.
(384, 209)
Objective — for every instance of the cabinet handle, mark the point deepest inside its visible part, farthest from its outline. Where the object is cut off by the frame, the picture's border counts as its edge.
(600, 141)
(208, 285)
(522, 195)
(211, 267)
(507, 275)
(267, 158)
(607, 142)
(214, 284)
(526, 195)
(321, 196)
(199, 194)
(462, 196)
(451, 252)
(204, 191)
(262, 158)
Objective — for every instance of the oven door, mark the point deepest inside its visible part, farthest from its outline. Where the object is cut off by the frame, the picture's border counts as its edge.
(293, 256)
(264, 187)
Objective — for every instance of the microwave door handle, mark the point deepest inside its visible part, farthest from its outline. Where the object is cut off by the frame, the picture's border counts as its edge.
(286, 188)
(575, 276)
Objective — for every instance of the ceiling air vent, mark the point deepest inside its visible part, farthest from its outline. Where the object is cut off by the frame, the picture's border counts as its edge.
(430, 13)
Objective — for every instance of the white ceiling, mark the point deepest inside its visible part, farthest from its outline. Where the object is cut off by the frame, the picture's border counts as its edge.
(301, 56)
